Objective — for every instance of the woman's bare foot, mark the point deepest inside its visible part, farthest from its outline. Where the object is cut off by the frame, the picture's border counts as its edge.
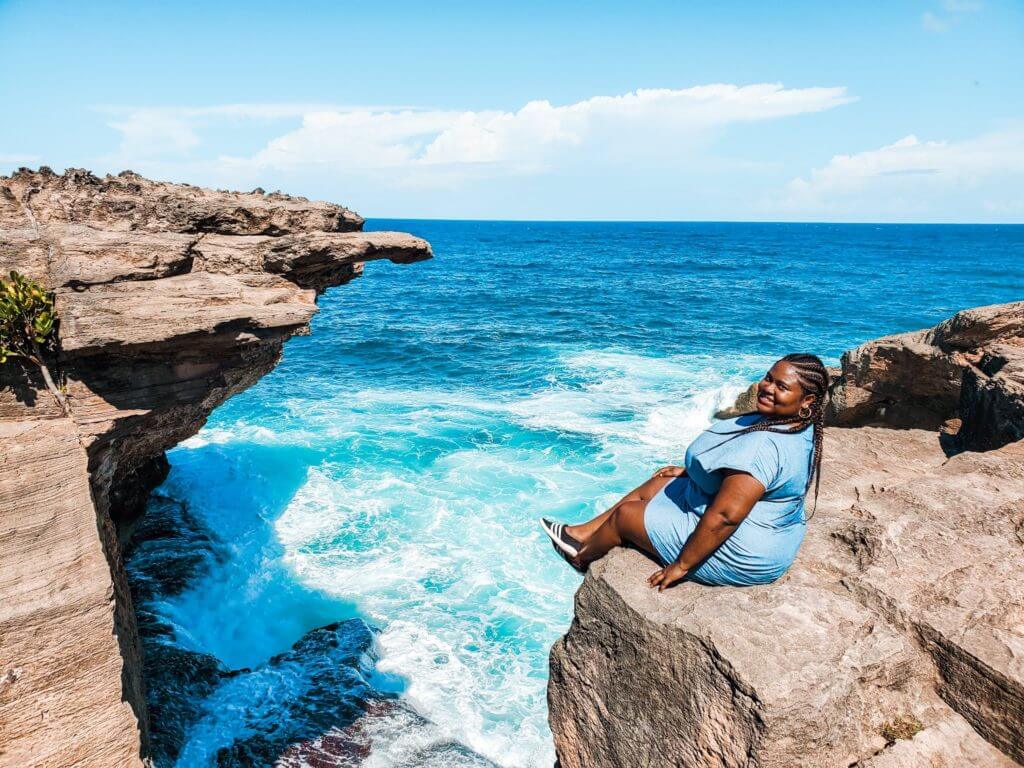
(582, 532)
(578, 532)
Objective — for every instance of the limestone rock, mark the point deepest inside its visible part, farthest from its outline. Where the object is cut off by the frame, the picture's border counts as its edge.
(171, 299)
(81, 255)
(951, 743)
(915, 378)
(905, 601)
(178, 311)
(992, 398)
(701, 678)
(310, 260)
(745, 403)
(900, 380)
(980, 326)
(128, 202)
(61, 697)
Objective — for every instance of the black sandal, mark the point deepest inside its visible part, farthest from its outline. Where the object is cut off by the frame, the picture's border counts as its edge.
(565, 545)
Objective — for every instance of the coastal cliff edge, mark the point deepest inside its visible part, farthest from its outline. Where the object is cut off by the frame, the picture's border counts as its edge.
(171, 299)
(897, 638)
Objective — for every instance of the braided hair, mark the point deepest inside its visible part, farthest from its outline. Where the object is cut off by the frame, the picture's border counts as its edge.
(813, 378)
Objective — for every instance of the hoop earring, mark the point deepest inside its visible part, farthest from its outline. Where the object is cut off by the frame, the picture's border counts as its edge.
(807, 415)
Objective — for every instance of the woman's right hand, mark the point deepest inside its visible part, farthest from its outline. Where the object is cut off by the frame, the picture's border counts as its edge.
(670, 471)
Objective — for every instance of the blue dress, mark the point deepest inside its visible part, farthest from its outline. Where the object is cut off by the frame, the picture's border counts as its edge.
(764, 545)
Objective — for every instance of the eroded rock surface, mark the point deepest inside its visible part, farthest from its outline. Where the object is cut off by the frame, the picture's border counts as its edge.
(992, 398)
(61, 697)
(172, 298)
(905, 603)
(916, 379)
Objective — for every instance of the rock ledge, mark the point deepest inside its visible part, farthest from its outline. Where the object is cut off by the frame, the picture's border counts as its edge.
(172, 298)
(905, 603)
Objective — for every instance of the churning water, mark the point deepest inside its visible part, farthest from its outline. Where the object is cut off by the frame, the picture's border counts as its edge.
(392, 469)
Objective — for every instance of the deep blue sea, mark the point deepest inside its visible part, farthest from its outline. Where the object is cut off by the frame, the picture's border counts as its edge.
(393, 467)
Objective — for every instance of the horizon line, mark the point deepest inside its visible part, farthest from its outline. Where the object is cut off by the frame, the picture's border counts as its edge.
(703, 221)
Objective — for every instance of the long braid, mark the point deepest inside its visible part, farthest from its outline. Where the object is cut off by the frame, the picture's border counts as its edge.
(813, 378)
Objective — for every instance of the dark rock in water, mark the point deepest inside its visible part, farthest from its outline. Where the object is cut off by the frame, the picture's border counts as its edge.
(323, 681)
(130, 493)
(386, 720)
(318, 685)
(450, 753)
(177, 683)
(340, 747)
(169, 549)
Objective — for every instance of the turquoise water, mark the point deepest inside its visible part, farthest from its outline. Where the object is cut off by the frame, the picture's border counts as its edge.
(392, 468)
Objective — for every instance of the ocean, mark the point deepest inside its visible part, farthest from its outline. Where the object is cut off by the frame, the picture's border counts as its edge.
(389, 473)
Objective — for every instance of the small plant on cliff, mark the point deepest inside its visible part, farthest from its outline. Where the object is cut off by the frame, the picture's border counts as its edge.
(901, 728)
(27, 319)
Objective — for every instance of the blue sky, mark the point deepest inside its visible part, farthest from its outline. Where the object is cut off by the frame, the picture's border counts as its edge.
(894, 111)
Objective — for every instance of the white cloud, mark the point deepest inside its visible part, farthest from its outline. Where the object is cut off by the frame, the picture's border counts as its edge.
(662, 153)
(913, 178)
(442, 146)
(933, 23)
(151, 132)
(954, 9)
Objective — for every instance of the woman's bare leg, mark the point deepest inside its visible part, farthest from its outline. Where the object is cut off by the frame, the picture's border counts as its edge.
(644, 492)
(624, 524)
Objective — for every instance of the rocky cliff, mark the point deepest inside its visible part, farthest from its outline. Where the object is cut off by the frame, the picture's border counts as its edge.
(897, 638)
(172, 298)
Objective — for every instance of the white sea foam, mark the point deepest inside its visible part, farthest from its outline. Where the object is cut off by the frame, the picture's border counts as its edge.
(421, 514)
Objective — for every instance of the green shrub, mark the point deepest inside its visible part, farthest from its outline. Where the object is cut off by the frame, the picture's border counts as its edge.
(27, 327)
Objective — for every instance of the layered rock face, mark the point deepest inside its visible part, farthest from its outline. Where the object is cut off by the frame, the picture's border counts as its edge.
(917, 379)
(897, 638)
(172, 298)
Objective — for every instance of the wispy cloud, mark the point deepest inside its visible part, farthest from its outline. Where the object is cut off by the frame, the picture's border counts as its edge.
(150, 132)
(423, 147)
(942, 20)
(934, 23)
(911, 176)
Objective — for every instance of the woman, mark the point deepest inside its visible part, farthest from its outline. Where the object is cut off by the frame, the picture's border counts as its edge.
(734, 514)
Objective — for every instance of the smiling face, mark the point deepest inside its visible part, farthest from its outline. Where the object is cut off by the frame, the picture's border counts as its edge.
(779, 393)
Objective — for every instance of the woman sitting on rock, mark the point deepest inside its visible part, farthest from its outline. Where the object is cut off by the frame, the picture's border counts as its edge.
(734, 514)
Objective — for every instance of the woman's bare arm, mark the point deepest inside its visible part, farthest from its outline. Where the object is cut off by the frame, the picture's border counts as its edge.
(670, 471)
(735, 498)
